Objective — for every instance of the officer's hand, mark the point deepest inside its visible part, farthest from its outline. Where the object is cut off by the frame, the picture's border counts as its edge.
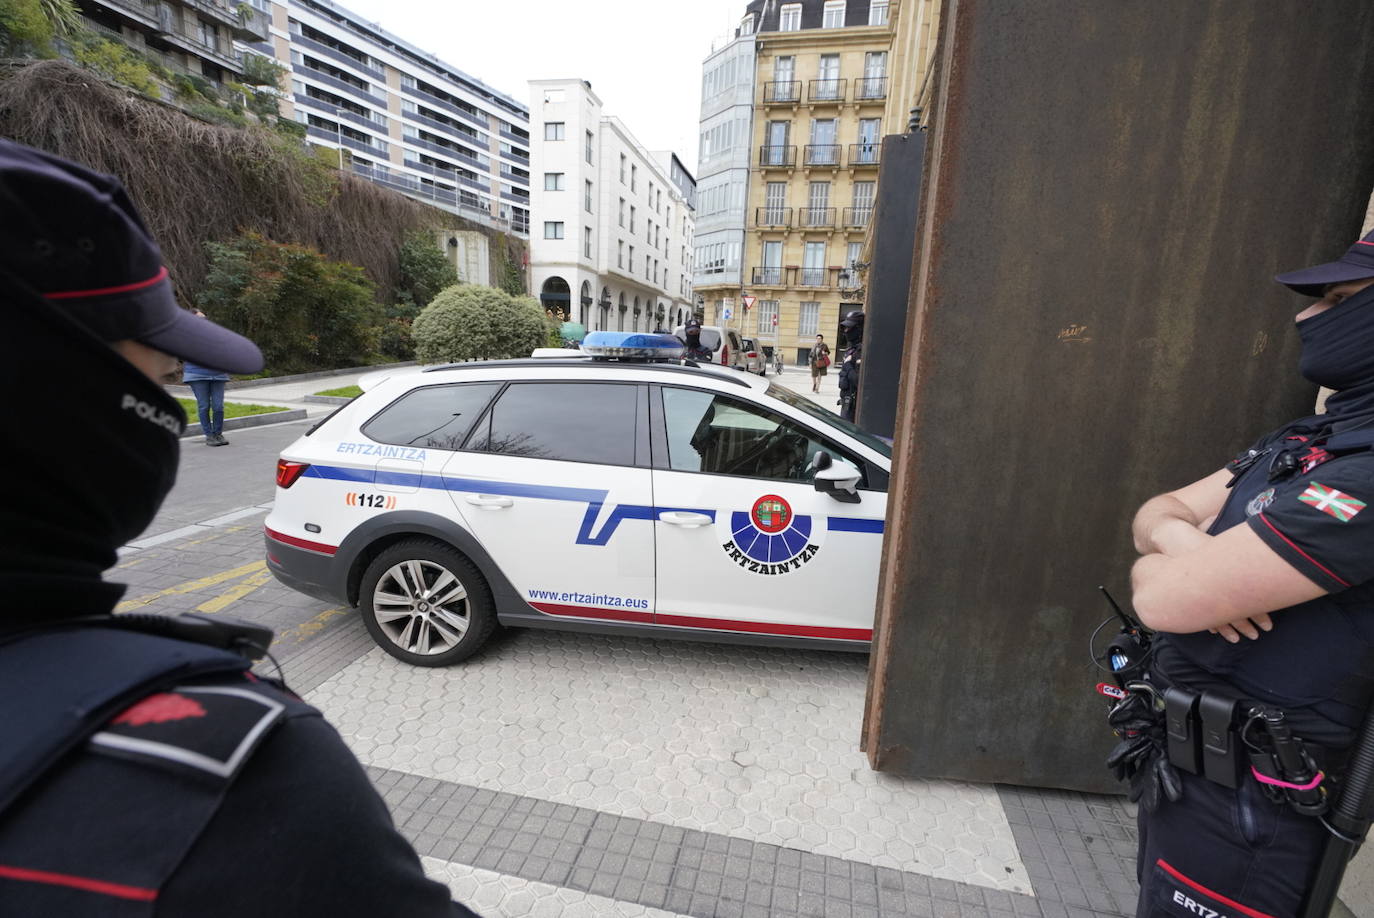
(1250, 627)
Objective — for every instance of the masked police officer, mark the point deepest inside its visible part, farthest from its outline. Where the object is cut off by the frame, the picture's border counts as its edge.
(144, 770)
(691, 337)
(853, 325)
(1260, 578)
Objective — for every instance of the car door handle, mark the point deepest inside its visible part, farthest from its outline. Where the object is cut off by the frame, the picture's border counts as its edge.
(489, 501)
(685, 518)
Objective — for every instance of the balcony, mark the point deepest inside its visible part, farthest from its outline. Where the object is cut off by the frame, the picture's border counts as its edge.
(814, 277)
(826, 90)
(339, 111)
(781, 92)
(448, 151)
(341, 85)
(822, 154)
(251, 25)
(768, 277)
(857, 217)
(864, 154)
(816, 217)
(870, 89)
(774, 157)
(516, 156)
(479, 120)
(341, 57)
(772, 217)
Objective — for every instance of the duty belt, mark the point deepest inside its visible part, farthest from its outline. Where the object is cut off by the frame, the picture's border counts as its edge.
(1218, 737)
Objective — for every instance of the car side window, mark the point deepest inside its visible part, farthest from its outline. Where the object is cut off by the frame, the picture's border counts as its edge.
(574, 422)
(435, 417)
(718, 435)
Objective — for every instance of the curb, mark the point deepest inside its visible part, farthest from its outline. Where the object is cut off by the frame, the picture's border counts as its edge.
(320, 374)
(252, 420)
(327, 399)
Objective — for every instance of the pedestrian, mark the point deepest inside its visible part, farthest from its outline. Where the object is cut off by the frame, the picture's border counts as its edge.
(819, 359)
(208, 387)
(853, 325)
(144, 769)
(1259, 580)
(691, 339)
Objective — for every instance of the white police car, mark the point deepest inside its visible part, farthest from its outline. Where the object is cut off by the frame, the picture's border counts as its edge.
(611, 491)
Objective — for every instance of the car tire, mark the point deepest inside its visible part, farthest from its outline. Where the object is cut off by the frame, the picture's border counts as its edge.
(395, 601)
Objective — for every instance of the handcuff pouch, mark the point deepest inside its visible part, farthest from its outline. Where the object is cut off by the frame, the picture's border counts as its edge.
(1181, 728)
(1221, 753)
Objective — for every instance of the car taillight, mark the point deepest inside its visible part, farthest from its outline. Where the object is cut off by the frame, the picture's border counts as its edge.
(752, 354)
(288, 472)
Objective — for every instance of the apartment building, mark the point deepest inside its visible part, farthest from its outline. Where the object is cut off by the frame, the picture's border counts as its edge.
(818, 104)
(193, 37)
(399, 116)
(612, 244)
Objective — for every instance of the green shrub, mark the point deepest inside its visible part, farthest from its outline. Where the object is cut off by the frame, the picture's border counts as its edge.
(115, 61)
(424, 271)
(262, 71)
(468, 322)
(27, 27)
(305, 311)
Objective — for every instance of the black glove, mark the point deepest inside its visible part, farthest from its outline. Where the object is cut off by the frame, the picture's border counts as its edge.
(1140, 756)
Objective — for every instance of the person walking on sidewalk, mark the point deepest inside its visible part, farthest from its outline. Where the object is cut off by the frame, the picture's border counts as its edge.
(819, 359)
(208, 386)
(145, 770)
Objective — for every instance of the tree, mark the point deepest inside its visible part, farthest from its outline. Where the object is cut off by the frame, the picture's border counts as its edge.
(305, 311)
(424, 271)
(468, 322)
(27, 27)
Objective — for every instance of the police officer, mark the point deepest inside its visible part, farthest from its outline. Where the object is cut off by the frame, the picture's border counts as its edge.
(1260, 578)
(691, 337)
(853, 325)
(142, 773)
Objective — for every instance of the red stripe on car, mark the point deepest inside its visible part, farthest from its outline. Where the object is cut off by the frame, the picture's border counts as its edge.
(711, 624)
(301, 543)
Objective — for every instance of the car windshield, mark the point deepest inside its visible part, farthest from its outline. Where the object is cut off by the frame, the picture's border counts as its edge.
(710, 338)
(806, 406)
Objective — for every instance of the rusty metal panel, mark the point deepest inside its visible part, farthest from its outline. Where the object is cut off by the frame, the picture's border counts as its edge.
(1109, 189)
(889, 280)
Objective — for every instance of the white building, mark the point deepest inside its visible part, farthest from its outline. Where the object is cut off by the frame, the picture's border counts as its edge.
(611, 224)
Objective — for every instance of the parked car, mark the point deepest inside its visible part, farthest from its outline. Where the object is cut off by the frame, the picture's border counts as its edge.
(726, 344)
(614, 496)
(752, 359)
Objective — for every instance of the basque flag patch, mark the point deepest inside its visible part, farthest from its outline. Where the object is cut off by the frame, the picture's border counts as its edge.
(1332, 502)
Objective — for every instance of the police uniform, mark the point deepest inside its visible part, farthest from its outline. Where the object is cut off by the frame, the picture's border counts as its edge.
(1303, 490)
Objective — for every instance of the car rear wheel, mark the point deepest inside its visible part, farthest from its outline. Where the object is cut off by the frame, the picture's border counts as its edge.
(426, 604)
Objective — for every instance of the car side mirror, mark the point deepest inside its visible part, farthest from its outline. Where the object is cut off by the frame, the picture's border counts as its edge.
(838, 479)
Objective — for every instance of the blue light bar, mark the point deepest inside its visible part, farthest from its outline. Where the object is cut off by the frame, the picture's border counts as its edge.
(608, 345)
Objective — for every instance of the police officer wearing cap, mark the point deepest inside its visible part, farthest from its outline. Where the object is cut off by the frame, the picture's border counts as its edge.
(144, 769)
(1259, 580)
(853, 325)
(691, 338)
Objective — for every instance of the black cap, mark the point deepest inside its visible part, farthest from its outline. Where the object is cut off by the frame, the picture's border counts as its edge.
(1356, 264)
(852, 318)
(74, 236)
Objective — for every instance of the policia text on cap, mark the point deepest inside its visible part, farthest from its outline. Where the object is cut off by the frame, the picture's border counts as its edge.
(1259, 580)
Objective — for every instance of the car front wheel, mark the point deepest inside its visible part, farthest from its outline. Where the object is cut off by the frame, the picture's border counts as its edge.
(426, 604)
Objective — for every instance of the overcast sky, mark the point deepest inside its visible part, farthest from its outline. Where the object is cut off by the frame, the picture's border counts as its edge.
(643, 59)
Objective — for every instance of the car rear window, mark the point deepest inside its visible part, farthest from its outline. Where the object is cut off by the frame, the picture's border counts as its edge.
(435, 417)
(576, 422)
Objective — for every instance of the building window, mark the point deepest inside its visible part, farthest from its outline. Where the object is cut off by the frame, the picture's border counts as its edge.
(589, 146)
(587, 197)
(553, 130)
(620, 253)
(810, 320)
(853, 253)
(768, 318)
(746, 26)
(877, 12)
(789, 18)
(632, 260)
(622, 211)
(587, 241)
(622, 168)
(833, 17)
(634, 176)
(632, 218)
(553, 181)
(553, 229)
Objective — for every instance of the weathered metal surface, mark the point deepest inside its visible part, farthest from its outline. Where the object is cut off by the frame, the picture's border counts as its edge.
(889, 280)
(1109, 190)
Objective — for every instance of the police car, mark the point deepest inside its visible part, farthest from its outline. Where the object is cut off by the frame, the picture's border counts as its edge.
(619, 490)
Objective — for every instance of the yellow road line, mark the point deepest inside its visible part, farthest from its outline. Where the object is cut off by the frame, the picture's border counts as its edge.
(234, 594)
(191, 586)
(308, 629)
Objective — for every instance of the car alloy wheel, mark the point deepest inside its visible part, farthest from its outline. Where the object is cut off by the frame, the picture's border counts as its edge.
(426, 604)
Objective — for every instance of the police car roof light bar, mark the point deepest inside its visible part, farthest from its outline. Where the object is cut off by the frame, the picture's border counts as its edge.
(609, 345)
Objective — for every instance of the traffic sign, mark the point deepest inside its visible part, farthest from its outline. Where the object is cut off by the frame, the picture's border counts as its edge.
(775, 320)
(727, 313)
(748, 301)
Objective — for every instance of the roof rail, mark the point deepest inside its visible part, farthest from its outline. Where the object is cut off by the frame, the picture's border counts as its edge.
(685, 366)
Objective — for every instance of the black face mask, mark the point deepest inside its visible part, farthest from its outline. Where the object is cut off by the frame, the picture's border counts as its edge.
(92, 451)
